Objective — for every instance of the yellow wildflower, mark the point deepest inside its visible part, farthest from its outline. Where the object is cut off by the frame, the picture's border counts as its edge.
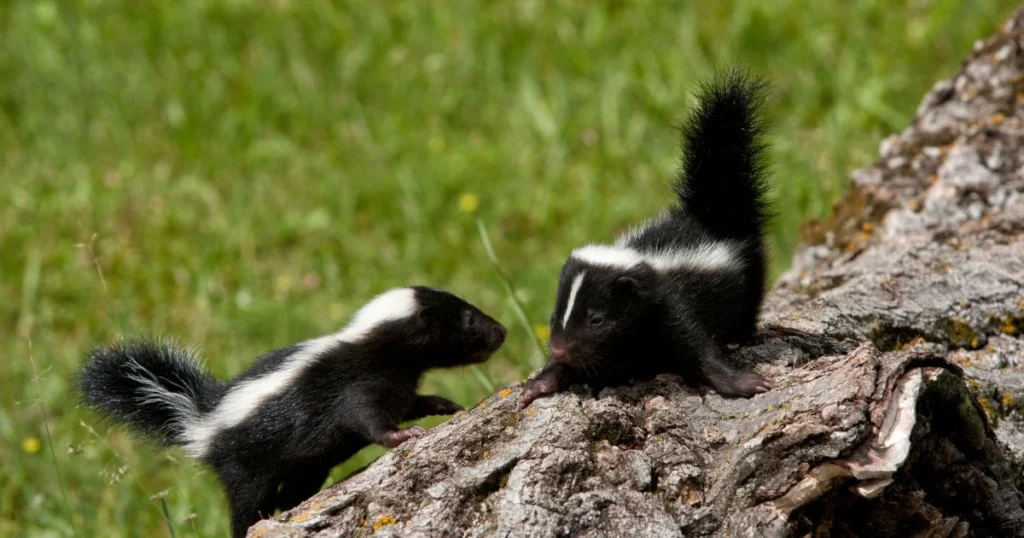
(468, 203)
(31, 445)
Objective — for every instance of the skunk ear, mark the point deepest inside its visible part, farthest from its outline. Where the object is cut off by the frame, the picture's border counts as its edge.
(628, 285)
(425, 312)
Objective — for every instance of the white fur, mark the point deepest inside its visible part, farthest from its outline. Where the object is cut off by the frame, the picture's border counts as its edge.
(576, 283)
(182, 404)
(609, 256)
(396, 304)
(711, 256)
(245, 398)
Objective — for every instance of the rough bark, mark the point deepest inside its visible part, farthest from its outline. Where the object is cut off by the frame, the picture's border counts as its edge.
(894, 344)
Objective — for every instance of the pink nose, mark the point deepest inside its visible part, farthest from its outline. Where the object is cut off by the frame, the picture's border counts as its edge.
(558, 353)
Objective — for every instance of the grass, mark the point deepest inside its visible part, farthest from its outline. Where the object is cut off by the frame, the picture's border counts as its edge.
(242, 175)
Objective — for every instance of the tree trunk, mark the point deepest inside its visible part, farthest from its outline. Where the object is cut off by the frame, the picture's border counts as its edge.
(894, 346)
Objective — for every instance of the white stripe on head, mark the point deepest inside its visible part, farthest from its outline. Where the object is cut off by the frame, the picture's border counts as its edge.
(576, 283)
(245, 398)
(392, 305)
(609, 256)
(710, 256)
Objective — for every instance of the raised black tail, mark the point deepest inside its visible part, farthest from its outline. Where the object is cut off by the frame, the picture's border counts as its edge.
(156, 388)
(722, 182)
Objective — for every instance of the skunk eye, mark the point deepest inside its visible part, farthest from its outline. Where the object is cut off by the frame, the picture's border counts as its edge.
(596, 320)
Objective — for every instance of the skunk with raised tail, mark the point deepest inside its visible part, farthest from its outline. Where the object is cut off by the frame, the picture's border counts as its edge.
(273, 433)
(668, 295)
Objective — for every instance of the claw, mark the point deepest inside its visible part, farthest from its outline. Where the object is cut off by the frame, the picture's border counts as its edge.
(452, 409)
(395, 438)
(537, 388)
(749, 384)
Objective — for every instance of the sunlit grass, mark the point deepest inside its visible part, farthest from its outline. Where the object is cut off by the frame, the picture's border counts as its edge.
(242, 175)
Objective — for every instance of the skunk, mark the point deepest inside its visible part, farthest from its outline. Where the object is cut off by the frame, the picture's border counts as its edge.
(273, 433)
(668, 295)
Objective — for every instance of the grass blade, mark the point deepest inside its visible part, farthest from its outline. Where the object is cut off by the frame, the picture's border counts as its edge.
(49, 442)
(517, 307)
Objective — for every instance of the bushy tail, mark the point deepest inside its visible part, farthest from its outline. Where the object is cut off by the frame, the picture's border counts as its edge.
(722, 182)
(156, 388)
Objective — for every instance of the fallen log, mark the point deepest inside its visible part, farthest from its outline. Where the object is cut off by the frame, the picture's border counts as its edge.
(894, 343)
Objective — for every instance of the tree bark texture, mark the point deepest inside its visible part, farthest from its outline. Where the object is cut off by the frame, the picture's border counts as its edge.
(894, 343)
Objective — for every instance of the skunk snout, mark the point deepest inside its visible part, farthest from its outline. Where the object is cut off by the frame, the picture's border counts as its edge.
(498, 335)
(559, 348)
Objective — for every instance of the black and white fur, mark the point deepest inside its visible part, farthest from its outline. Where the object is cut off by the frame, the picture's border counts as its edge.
(668, 295)
(274, 432)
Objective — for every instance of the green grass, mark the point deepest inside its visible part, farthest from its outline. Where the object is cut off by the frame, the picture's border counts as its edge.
(243, 175)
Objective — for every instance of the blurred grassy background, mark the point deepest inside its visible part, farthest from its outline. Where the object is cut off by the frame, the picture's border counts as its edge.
(243, 175)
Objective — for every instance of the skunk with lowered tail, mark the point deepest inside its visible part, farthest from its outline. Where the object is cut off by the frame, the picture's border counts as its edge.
(668, 295)
(273, 433)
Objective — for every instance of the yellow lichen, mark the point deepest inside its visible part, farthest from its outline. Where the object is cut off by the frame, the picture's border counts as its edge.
(916, 341)
(531, 411)
(1007, 399)
(960, 333)
(868, 227)
(382, 521)
(503, 393)
(987, 406)
(997, 118)
(462, 414)
(301, 517)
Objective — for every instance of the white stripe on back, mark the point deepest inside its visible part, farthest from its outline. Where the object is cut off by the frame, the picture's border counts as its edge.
(245, 398)
(576, 283)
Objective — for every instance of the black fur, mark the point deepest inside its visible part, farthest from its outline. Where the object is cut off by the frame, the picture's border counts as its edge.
(638, 319)
(347, 396)
(113, 379)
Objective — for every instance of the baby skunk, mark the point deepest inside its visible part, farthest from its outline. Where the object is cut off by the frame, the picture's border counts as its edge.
(669, 294)
(274, 432)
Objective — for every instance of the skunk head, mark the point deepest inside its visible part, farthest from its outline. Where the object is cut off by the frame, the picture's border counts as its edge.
(425, 328)
(604, 295)
(450, 331)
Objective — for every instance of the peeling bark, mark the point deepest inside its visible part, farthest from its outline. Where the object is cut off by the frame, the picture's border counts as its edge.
(894, 343)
